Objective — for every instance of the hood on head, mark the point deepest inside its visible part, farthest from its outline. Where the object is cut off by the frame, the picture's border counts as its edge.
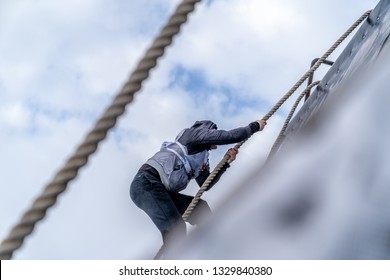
(204, 124)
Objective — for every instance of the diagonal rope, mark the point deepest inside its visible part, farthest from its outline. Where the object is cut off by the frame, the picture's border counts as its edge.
(209, 179)
(278, 140)
(226, 158)
(61, 179)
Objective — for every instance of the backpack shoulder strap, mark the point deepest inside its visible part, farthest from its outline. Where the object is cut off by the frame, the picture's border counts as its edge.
(183, 157)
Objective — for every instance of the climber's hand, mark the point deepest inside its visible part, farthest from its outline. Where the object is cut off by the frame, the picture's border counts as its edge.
(232, 152)
(262, 124)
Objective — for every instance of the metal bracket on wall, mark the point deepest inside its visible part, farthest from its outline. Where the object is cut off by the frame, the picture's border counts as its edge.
(310, 80)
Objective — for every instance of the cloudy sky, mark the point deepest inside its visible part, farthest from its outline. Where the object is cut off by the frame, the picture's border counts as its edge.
(61, 63)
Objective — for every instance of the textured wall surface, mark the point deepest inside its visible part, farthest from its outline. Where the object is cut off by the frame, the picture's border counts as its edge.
(326, 194)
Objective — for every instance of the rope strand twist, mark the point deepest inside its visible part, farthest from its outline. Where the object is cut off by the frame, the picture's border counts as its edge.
(278, 140)
(225, 159)
(60, 182)
(80, 158)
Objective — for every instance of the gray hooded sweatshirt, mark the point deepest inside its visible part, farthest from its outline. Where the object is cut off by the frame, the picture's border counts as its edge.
(187, 158)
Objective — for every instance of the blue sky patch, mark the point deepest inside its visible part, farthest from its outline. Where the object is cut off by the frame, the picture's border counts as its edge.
(200, 89)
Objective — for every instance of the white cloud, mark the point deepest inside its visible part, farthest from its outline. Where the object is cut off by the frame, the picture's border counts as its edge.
(62, 62)
(14, 116)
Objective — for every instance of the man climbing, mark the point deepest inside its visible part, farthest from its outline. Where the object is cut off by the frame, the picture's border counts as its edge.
(155, 188)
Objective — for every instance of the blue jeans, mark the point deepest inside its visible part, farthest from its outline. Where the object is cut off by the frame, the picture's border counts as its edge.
(165, 208)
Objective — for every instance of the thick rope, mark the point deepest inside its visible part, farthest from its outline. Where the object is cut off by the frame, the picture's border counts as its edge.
(278, 140)
(60, 182)
(226, 158)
